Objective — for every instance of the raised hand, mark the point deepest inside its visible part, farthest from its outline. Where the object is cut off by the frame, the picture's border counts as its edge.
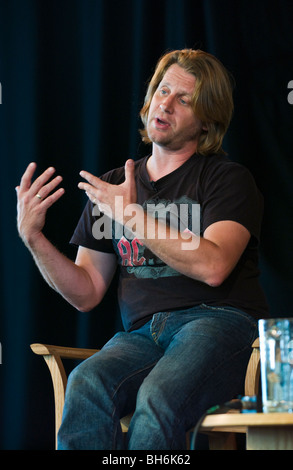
(104, 194)
(33, 201)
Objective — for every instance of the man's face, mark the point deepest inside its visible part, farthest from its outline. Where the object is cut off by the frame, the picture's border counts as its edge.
(171, 120)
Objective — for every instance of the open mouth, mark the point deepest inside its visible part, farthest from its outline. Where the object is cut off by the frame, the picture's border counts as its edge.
(161, 123)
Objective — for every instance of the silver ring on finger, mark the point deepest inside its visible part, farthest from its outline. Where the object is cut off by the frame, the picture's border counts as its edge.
(39, 196)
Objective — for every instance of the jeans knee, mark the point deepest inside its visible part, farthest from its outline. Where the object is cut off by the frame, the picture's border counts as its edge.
(155, 423)
(83, 379)
(153, 397)
(76, 376)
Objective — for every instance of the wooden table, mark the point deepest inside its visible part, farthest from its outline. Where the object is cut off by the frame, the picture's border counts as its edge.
(264, 431)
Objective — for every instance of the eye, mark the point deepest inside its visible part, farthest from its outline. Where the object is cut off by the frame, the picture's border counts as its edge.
(184, 101)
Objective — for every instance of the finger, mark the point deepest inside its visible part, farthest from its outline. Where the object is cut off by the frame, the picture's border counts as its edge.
(89, 189)
(92, 193)
(92, 198)
(41, 181)
(45, 190)
(26, 179)
(129, 171)
(50, 200)
(93, 180)
(130, 179)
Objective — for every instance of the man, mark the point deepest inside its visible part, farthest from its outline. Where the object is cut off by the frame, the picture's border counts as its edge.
(189, 301)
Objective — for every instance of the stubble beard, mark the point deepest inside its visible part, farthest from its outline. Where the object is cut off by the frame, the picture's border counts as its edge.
(169, 141)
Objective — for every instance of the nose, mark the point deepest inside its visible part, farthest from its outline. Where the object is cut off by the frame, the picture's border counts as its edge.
(166, 106)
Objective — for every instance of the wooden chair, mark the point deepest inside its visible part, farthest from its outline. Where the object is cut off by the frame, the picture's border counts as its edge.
(53, 356)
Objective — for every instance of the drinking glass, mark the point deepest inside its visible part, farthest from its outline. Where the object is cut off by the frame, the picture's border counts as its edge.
(276, 361)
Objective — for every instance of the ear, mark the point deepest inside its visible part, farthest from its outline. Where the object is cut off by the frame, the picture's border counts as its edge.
(204, 127)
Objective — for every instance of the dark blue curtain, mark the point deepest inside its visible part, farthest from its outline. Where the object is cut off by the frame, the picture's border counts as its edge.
(73, 76)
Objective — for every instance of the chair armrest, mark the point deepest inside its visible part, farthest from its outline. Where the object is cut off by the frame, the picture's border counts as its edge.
(61, 351)
(255, 344)
(53, 357)
(253, 371)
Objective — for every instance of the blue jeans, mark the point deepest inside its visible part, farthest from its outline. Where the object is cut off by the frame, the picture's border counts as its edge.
(170, 371)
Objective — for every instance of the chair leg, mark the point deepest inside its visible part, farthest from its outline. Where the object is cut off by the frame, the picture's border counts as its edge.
(59, 380)
(222, 441)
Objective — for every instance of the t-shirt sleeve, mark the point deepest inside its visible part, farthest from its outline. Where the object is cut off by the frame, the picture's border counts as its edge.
(84, 232)
(231, 194)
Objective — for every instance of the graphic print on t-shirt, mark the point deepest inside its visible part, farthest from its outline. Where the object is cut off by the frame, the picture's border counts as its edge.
(183, 214)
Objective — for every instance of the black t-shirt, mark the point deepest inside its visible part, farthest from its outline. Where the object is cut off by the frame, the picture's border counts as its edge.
(225, 190)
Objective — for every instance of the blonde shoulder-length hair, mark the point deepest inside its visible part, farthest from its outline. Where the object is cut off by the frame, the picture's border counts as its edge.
(212, 99)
